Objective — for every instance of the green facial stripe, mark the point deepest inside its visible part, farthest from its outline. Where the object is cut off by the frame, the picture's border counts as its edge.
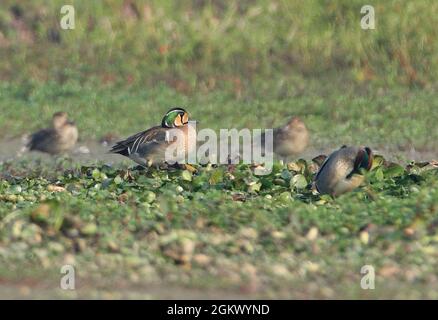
(170, 118)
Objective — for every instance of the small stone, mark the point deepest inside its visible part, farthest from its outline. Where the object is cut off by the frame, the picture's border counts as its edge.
(134, 277)
(201, 259)
(72, 233)
(89, 229)
(133, 261)
(280, 270)
(32, 234)
(53, 188)
(278, 234)
(249, 269)
(123, 198)
(409, 232)
(364, 237)
(41, 213)
(55, 247)
(312, 234)
(17, 228)
(249, 233)
(311, 266)
(179, 198)
(69, 259)
(112, 246)
(24, 290)
(188, 246)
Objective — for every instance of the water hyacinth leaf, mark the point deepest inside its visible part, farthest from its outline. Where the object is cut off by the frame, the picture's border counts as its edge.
(298, 181)
(285, 196)
(254, 187)
(394, 170)
(89, 229)
(96, 174)
(199, 182)
(186, 175)
(280, 182)
(149, 197)
(286, 175)
(118, 180)
(276, 167)
(379, 174)
(216, 177)
(267, 182)
(378, 161)
(16, 189)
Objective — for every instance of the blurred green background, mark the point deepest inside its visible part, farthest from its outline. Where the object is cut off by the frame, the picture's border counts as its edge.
(230, 63)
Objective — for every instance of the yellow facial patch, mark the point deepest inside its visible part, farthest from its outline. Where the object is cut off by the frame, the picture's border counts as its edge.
(185, 118)
(178, 122)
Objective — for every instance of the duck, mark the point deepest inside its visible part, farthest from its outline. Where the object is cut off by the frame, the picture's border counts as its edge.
(60, 138)
(343, 170)
(289, 140)
(149, 147)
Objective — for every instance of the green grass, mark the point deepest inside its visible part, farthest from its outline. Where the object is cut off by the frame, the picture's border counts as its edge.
(231, 65)
(378, 117)
(208, 44)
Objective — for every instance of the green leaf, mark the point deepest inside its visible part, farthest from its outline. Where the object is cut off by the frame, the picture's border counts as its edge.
(149, 196)
(394, 170)
(186, 175)
(285, 174)
(118, 180)
(254, 187)
(216, 177)
(298, 181)
(379, 174)
(377, 161)
(96, 174)
(89, 229)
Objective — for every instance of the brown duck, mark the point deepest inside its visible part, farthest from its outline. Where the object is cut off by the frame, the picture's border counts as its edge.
(149, 147)
(60, 138)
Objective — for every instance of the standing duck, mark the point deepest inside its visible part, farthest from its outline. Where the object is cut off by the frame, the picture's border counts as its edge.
(342, 172)
(62, 137)
(148, 147)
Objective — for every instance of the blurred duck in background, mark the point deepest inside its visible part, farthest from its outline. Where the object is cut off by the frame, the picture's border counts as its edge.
(290, 140)
(60, 138)
(343, 171)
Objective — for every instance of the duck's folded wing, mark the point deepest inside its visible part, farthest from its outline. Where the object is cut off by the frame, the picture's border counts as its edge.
(150, 138)
(41, 139)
